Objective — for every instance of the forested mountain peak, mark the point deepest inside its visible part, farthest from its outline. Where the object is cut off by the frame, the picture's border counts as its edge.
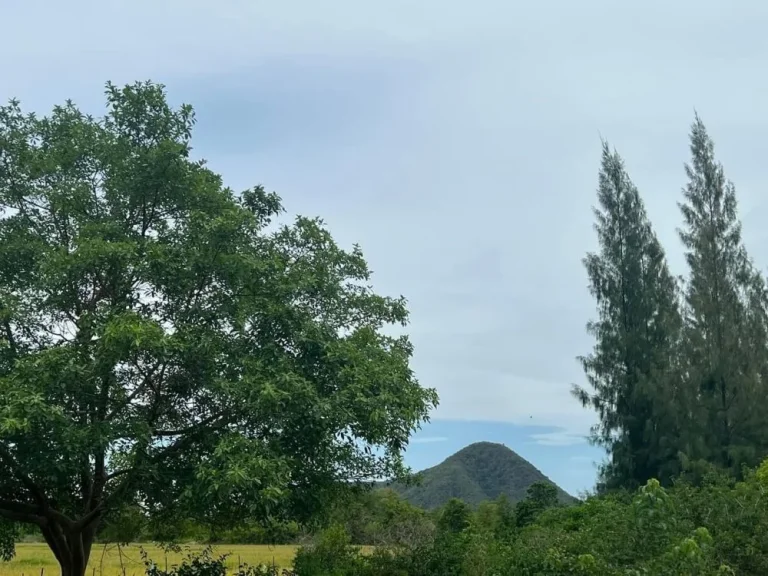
(478, 472)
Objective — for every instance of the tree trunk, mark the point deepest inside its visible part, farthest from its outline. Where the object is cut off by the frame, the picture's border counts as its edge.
(72, 550)
(74, 565)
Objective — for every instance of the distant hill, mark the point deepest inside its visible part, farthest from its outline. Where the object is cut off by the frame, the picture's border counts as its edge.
(481, 471)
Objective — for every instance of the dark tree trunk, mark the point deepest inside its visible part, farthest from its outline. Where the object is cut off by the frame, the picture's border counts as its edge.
(71, 549)
(74, 565)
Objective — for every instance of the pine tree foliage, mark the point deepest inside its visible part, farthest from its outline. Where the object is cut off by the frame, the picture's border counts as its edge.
(631, 369)
(725, 317)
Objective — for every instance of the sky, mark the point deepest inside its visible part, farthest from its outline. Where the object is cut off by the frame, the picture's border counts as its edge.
(458, 143)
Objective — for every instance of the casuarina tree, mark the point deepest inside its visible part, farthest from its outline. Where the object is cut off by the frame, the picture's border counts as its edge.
(167, 344)
(725, 334)
(631, 369)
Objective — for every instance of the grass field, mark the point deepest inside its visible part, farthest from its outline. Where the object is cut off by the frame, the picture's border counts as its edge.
(36, 559)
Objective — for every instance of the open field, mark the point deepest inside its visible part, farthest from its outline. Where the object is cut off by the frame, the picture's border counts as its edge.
(32, 559)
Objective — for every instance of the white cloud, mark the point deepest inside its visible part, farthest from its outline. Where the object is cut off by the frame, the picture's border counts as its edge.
(558, 438)
(428, 439)
(501, 397)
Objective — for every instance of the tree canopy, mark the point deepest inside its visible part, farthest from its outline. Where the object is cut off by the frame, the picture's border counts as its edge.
(725, 308)
(167, 342)
(633, 365)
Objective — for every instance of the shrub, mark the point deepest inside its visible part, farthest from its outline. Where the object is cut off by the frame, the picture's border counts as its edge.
(331, 555)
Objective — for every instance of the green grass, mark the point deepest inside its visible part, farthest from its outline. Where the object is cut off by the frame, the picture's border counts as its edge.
(37, 559)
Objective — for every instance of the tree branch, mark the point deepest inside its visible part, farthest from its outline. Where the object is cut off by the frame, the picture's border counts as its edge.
(22, 517)
(189, 429)
(89, 518)
(18, 507)
(138, 390)
(156, 458)
(118, 473)
(11, 339)
(43, 506)
(34, 489)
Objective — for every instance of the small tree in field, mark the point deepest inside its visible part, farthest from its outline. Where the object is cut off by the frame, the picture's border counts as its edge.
(163, 346)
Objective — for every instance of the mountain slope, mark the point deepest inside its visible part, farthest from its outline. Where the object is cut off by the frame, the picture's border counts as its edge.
(481, 471)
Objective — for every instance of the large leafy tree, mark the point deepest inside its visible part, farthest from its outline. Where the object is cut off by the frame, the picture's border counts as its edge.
(725, 332)
(631, 368)
(165, 343)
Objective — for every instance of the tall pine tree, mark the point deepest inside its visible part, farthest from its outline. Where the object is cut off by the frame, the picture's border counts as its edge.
(725, 319)
(632, 368)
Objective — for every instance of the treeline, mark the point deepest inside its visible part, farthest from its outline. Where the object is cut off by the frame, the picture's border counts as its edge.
(367, 517)
(679, 370)
(716, 527)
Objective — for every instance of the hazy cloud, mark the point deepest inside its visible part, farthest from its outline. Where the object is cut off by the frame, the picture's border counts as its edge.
(428, 439)
(558, 438)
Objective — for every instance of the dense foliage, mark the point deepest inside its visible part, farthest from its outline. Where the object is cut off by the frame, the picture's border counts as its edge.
(718, 526)
(165, 343)
(715, 528)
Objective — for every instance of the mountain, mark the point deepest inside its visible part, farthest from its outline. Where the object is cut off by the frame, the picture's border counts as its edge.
(481, 471)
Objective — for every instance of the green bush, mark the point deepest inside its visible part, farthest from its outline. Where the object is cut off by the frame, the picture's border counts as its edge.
(205, 564)
(331, 555)
(202, 564)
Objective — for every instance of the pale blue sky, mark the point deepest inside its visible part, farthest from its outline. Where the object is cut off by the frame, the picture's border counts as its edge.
(457, 142)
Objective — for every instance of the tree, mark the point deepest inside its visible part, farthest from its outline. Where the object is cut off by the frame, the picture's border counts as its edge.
(725, 325)
(165, 343)
(487, 517)
(631, 369)
(454, 517)
(123, 525)
(539, 497)
(506, 517)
